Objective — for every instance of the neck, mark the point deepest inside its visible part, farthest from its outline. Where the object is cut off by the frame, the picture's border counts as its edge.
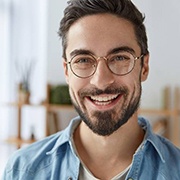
(116, 149)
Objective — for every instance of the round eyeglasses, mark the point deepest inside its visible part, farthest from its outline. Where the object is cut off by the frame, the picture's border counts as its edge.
(85, 65)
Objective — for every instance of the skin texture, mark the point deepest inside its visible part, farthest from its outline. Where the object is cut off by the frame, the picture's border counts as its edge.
(110, 119)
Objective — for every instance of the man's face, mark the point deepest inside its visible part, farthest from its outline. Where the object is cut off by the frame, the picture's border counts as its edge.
(105, 101)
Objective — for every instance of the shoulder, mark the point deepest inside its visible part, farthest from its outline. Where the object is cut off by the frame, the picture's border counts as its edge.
(164, 154)
(33, 157)
(43, 152)
(169, 150)
(50, 157)
(164, 147)
(170, 157)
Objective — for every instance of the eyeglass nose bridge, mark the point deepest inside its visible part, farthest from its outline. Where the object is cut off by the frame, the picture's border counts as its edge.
(101, 57)
(98, 59)
(97, 62)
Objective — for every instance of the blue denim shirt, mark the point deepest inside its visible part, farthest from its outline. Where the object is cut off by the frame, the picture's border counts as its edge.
(54, 158)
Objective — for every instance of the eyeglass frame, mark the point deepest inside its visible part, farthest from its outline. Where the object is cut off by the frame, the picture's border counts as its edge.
(106, 60)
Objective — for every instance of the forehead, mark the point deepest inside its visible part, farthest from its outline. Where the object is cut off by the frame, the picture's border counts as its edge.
(100, 33)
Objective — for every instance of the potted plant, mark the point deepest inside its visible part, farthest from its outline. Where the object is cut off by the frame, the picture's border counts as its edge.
(24, 72)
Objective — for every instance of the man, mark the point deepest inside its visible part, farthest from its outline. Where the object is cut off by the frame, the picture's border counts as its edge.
(105, 57)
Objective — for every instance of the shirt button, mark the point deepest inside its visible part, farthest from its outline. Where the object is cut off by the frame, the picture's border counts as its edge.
(130, 178)
(70, 178)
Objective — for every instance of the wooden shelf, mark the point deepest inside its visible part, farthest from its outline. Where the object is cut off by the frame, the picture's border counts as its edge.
(57, 107)
(50, 108)
(159, 112)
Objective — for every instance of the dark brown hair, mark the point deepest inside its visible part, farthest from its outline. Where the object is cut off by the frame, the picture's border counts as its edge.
(77, 9)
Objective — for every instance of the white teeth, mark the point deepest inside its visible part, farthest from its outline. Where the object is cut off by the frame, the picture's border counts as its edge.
(104, 98)
(102, 103)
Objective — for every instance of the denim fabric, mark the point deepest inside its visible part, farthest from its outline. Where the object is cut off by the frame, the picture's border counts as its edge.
(53, 158)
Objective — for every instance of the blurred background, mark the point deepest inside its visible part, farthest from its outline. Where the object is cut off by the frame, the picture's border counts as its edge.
(30, 61)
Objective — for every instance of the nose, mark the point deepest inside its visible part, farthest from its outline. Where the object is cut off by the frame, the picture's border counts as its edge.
(103, 77)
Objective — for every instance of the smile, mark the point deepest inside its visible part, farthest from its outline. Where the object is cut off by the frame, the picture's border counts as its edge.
(103, 100)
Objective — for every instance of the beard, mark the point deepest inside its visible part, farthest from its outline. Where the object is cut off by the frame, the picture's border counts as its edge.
(107, 122)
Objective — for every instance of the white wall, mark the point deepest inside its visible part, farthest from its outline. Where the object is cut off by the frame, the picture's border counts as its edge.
(28, 44)
(163, 28)
(55, 72)
(4, 66)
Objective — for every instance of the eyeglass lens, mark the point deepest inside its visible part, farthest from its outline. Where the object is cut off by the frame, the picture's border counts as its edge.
(84, 65)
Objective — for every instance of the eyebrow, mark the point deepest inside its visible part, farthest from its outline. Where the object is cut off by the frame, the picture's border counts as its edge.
(112, 51)
(122, 48)
(79, 52)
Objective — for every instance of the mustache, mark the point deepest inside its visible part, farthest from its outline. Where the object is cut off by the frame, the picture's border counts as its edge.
(108, 90)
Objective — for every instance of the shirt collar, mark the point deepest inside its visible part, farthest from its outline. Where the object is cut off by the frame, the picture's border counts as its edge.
(152, 138)
(66, 135)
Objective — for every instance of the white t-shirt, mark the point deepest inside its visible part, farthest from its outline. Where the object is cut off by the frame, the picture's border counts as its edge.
(85, 174)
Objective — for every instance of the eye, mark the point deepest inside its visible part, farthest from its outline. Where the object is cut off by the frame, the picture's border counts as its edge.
(83, 61)
(122, 56)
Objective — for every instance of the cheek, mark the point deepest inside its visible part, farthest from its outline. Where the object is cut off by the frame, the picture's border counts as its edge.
(132, 79)
(133, 82)
(75, 85)
(135, 75)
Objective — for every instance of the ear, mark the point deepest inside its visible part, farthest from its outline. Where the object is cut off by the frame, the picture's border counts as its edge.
(145, 68)
(65, 66)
